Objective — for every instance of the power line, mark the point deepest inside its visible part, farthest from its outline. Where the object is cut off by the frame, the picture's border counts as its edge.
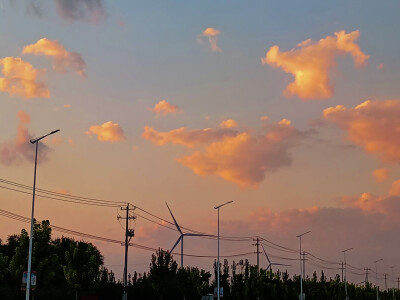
(20, 218)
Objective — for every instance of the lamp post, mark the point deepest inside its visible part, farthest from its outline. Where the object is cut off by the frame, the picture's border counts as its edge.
(217, 208)
(28, 278)
(377, 282)
(301, 269)
(345, 270)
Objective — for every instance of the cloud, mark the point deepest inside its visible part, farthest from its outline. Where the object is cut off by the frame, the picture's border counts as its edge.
(21, 149)
(311, 62)
(164, 108)
(62, 59)
(212, 35)
(188, 138)
(238, 157)
(395, 188)
(21, 79)
(264, 118)
(81, 10)
(374, 125)
(380, 174)
(228, 123)
(107, 132)
(386, 205)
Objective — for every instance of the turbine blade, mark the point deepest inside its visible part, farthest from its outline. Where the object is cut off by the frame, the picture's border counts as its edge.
(176, 223)
(196, 234)
(266, 255)
(276, 264)
(177, 242)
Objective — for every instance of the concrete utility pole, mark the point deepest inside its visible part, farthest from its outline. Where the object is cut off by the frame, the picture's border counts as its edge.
(392, 267)
(304, 265)
(385, 282)
(301, 268)
(257, 244)
(28, 277)
(366, 275)
(342, 271)
(129, 233)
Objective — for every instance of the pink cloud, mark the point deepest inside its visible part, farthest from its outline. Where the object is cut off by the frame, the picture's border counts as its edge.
(238, 157)
(62, 59)
(186, 137)
(380, 174)
(312, 61)
(107, 132)
(21, 149)
(164, 108)
(372, 125)
(21, 79)
(212, 35)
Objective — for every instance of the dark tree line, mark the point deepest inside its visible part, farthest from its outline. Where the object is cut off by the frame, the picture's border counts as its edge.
(70, 269)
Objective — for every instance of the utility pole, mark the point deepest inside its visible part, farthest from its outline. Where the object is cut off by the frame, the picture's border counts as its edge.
(366, 275)
(304, 264)
(257, 244)
(342, 272)
(392, 267)
(385, 282)
(129, 233)
(398, 283)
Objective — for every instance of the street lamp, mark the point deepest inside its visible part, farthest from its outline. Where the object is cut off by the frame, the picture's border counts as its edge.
(301, 269)
(218, 207)
(345, 270)
(377, 282)
(28, 278)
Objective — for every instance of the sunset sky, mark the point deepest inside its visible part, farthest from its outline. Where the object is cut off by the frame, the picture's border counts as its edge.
(289, 108)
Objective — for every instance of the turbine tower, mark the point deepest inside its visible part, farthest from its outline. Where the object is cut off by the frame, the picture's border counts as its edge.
(270, 263)
(180, 239)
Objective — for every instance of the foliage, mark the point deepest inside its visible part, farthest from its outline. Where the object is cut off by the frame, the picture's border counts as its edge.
(65, 266)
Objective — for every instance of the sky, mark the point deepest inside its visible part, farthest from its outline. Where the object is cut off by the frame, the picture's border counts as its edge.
(290, 109)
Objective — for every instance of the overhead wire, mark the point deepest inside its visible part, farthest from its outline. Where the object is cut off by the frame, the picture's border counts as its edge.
(16, 187)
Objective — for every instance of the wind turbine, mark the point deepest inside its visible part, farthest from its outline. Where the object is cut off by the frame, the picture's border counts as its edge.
(270, 263)
(180, 239)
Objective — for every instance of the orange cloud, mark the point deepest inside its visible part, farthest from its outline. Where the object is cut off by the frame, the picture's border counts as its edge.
(264, 118)
(188, 138)
(62, 59)
(235, 156)
(21, 79)
(380, 174)
(164, 108)
(212, 35)
(21, 149)
(107, 132)
(244, 159)
(311, 62)
(228, 123)
(373, 124)
(395, 188)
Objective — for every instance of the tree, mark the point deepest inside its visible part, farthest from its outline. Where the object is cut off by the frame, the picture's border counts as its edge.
(82, 267)
(163, 271)
(3, 266)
